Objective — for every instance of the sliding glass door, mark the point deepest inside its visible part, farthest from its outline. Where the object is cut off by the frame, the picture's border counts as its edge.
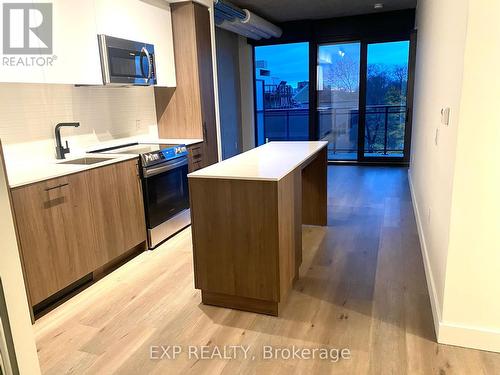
(338, 98)
(386, 100)
(359, 97)
(361, 102)
(282, 92)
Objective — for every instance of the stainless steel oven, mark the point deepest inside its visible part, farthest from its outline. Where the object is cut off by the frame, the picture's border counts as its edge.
(166, 198)
(164, 187)
(126, 62)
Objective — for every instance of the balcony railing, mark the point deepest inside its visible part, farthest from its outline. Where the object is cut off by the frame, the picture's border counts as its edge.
(384, 127)
(284, 124)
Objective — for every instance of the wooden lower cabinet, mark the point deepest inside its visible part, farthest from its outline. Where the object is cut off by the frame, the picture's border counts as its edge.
(55, 233)
(247, 254)
(70, 226)
(117, 210)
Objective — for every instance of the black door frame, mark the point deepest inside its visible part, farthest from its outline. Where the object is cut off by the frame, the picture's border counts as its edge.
(313, 114)
(409, 102)
(363, 69)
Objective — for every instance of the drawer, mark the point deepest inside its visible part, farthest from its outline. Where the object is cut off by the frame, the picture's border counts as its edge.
(196, 152)
(196, 165)
(195, 157)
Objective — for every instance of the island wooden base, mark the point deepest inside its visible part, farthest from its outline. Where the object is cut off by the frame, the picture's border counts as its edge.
(247, 234)
(240, 303)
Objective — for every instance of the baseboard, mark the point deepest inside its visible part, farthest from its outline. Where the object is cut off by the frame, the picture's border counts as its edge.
(450, 333)
(431, 286)
(469, 337)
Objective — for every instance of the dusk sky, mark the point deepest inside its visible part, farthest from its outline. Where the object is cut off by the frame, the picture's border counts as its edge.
(290, 62)
(287, 62)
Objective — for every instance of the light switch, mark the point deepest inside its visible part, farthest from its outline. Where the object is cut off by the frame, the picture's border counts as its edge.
(445, 116)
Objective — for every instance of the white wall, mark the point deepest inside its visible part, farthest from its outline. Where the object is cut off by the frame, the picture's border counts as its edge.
(455, 183)
(13, 283)
(472, 291)
(438, 82)
(29, 112)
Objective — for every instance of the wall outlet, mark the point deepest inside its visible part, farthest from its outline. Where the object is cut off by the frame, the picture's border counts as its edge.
(445, 116)
(138, 124)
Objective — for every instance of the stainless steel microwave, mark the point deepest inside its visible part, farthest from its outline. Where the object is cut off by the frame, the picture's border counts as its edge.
(125, 62)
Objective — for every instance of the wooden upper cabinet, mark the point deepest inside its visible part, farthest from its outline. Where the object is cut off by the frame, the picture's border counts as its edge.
(70, 226)
(188, 111)
(206, 79)
(55, 232)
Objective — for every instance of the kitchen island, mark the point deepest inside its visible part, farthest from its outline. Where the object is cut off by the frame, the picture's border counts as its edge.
(247, 214)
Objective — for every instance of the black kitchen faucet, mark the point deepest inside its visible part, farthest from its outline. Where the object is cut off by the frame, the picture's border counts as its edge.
(60, 149)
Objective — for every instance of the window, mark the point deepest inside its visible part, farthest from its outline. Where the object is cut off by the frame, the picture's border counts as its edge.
(338, 98)
(282, 92)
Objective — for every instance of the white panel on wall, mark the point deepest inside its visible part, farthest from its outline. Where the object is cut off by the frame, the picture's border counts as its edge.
(75, 44)
(29, 112)
(75, 56)
(14, 67)
(147, 21)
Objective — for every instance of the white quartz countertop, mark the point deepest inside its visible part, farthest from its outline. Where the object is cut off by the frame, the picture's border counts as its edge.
(271, 161)
(35, 170)
(25, 173)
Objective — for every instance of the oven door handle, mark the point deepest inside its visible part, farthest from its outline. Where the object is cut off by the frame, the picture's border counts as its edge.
(164, 167)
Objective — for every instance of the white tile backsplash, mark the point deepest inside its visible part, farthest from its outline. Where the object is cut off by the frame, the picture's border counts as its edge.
(29, 112)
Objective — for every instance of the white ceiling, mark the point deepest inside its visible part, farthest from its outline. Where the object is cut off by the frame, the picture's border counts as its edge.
(290, 10)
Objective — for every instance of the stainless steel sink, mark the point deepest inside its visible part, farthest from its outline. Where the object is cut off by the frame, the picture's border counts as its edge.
(85, 161)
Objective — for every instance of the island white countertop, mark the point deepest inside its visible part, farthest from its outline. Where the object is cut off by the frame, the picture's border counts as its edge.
(271, 161)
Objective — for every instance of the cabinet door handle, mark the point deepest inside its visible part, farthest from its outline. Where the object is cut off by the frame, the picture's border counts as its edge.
(57, 186)
(139, 185)
(205, 130)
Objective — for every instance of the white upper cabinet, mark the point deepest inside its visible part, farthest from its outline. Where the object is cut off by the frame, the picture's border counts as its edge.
(74, 58)
(75, 44)
(147, 21)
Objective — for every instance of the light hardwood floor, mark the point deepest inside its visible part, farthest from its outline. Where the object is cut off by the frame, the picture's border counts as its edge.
(362, 287)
